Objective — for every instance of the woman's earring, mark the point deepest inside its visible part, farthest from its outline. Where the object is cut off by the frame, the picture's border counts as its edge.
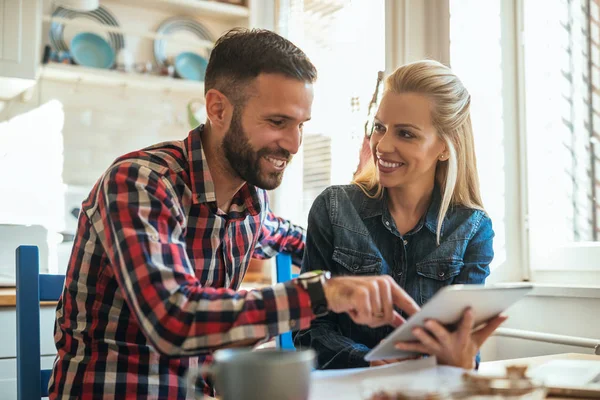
(442, 157)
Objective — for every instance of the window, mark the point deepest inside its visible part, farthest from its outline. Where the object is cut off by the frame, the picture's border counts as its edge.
(562, 116)
(348, 60)
(533, 69)
(475, 34)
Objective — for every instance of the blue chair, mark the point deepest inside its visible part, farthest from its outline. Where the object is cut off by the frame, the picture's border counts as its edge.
(283, 263)
(32, 287)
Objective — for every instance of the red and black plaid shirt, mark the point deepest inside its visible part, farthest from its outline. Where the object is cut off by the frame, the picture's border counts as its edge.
(151, 283)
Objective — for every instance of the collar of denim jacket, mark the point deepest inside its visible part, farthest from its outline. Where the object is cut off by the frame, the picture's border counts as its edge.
(373, 207)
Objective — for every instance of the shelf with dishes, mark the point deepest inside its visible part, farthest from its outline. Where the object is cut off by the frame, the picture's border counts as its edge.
(180, 50)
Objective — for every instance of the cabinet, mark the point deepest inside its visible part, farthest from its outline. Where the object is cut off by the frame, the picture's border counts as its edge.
(20, 38)
(8, 346)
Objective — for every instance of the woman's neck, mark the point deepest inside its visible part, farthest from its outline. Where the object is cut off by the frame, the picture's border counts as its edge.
(407, 204)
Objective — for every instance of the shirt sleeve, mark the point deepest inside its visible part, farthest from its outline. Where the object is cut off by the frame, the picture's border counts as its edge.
(141, 227)
(478, 254)
(279, 235)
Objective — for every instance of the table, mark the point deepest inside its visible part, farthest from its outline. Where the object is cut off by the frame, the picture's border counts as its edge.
(498, 367)
(8, 298)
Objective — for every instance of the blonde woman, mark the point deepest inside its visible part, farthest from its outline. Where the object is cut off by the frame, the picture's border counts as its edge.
(414, 212)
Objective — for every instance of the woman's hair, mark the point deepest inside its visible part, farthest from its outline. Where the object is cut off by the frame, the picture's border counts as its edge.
(451, 116)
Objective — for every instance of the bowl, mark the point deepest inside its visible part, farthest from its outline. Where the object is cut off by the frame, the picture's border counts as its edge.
(190, 66)
(91, 50)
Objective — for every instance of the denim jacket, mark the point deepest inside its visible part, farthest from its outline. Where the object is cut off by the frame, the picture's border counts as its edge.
(352, 234)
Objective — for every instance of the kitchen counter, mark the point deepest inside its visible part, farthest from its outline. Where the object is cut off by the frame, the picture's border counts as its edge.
(8, 298)
(8, 295)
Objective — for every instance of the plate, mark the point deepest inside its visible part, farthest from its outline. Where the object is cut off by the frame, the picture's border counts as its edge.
(173, 26)
(91, 50)
(190, 66)
(101, 15)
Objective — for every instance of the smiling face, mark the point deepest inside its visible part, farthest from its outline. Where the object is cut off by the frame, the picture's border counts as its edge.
(267, 132)
(406, 146)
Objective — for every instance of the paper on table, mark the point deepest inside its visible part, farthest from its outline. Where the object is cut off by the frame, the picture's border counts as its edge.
(350, 384)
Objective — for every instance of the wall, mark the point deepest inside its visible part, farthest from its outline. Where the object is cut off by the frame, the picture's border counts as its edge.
(564, 315)
(100, 124)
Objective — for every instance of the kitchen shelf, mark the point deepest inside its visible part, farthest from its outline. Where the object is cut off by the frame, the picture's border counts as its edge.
(200, 8)
(84, 75)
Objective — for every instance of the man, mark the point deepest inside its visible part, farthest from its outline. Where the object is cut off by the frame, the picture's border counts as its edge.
(166, 234)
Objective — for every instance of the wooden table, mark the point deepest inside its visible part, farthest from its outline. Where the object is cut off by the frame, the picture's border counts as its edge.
(498, 367)
(8, 298)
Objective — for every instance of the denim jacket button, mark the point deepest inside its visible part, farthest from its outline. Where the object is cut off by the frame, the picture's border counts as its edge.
(405, 242)
(441, 274)
(387, 223)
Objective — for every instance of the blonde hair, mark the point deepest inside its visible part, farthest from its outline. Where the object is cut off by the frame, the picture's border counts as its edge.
(451, 116)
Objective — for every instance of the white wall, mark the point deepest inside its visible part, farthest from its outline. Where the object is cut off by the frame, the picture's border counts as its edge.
(563, 315)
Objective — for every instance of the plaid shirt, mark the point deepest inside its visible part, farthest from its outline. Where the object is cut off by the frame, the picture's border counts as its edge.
(152, 279)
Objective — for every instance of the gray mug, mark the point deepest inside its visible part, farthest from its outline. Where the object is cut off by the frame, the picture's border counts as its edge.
(243, 374)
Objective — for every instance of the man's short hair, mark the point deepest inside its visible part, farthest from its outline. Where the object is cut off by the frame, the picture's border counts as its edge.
(240, 55)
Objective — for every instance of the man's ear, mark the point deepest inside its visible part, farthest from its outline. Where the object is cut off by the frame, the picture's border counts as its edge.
(218, 109)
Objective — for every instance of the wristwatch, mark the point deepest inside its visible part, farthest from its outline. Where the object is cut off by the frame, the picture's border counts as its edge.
(313, 282)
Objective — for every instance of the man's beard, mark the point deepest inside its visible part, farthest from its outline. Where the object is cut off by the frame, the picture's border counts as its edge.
(245, 161)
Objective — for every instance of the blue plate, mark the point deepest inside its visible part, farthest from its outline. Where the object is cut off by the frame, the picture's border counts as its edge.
(91, 50)
(190, 66)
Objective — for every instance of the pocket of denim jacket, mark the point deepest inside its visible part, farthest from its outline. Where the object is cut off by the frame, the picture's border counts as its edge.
(434, 275)
(439, 270)
(357, 262)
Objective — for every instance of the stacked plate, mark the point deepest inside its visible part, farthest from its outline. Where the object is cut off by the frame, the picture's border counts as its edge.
(100, 15)
(176, 26)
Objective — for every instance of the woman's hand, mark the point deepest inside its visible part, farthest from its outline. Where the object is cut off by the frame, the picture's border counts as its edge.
(457, 348)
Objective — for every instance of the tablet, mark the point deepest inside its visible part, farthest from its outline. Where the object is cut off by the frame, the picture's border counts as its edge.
(447, 307)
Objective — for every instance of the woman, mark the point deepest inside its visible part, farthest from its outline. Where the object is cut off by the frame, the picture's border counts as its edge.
(414, 212)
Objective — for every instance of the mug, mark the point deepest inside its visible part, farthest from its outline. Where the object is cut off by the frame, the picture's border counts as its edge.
(243, 374)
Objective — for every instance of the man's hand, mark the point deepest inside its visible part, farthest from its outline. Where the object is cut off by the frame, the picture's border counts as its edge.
(456, 348)
(369, 300)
